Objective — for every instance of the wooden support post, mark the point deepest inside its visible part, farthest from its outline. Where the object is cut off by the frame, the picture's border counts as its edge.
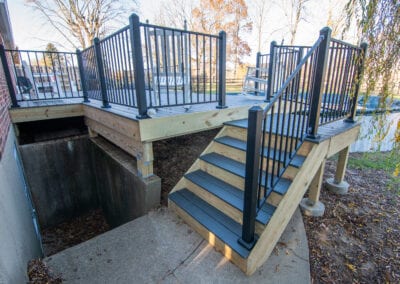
(311, 206)
(145, 161)
(315, 187)
(342, 165)
(337, 184)
(92, 133)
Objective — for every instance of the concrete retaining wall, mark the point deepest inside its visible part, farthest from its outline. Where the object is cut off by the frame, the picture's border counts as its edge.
(18, 240)
(61, 178)
(123, 195)
(71, 176)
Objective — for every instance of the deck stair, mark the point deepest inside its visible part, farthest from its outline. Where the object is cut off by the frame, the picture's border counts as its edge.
(210, 195)
(242, 191)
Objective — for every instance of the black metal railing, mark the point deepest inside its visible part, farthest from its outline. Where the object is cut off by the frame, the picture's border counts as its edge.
(342, 68)
(297, 89)
(181, 67)
(91, 82)
(141, 66)
(116, 54)
(43, 75)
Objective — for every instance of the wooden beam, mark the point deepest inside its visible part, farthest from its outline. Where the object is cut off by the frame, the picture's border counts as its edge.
(135, 148)
(127, 127)
(315, 187)
(341, 165)
(45, 112)
(343, 140)
(166, 127)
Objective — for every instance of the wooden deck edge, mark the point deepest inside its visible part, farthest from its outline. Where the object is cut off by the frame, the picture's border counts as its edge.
(165, 127)
(213, 240)
(27, 114)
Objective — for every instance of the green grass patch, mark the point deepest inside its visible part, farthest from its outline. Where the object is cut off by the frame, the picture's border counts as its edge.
(387, 161)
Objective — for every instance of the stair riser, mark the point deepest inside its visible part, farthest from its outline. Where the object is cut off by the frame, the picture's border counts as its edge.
(211, 238)
(221, 205)
(234, 180)
(241, 133)
(240, 156)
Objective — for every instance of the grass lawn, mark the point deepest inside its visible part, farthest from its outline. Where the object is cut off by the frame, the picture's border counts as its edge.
(387, 161)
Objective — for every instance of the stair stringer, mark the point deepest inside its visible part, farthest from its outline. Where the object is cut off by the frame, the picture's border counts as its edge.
(182, 182)
(286, 207)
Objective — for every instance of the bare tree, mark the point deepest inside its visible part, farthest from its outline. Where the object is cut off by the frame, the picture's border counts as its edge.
(336, 21)
(259, 15)
(82, 19)
(174, 13)
(294, 11)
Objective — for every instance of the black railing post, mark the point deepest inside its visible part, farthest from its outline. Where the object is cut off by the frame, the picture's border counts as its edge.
(298, 77)
(7, 75)
(222, 71)
(271, 72)
(82, 76)
(100, 69)
(359, 75)
(138, 66)
(254, 133)
(258, 61)
(318, 86)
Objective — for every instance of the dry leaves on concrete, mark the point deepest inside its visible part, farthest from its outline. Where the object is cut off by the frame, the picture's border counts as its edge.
(39, 273)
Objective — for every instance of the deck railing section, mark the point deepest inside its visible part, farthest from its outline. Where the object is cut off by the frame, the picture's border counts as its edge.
(141, 66)
(116, 55)
(43, 75)
(342, 69)
(181, 66)
(296, 87)
(91, 82)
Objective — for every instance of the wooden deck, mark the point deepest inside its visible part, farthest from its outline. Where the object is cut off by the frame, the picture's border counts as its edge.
(119, 124)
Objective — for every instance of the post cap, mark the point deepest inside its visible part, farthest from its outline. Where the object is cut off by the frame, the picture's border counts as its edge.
(255, 108)
(325, 30)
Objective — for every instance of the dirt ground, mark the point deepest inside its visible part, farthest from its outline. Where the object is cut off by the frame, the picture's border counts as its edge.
(73, 232)
(358, 238)
(173, 157)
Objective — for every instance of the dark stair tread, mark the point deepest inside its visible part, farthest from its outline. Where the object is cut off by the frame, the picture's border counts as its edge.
(211, 218)
(296, 162)
(228, 193)
(239, 169)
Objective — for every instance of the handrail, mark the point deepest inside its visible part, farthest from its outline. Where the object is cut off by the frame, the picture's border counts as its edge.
(277, 131)
(295, 72)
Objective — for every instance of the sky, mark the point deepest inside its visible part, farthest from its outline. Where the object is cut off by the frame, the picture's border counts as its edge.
(31, 31)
